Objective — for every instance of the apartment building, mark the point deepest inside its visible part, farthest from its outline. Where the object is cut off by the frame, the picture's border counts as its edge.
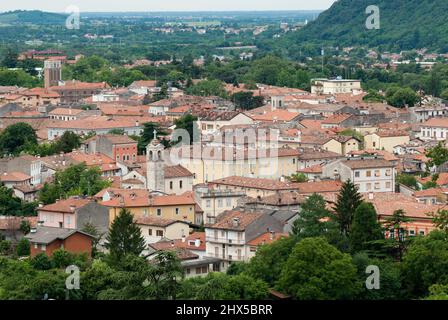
(368, 174)
(228, 238)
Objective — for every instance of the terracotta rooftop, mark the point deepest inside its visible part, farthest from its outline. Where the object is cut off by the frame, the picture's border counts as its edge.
(336, 119)
(387, 203)
(436, 122)
(177, 172)
(267, 238)
(367, 163)
(227, 220)
(14, 177)
(66, 206)
(155, 221)
(66, 111)
(13, 222)
(256, 183)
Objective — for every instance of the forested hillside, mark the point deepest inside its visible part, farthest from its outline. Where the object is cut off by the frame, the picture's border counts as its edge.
(404, 25)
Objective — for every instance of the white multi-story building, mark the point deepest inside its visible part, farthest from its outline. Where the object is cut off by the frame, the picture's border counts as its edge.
(334, 86)
(434, 129)
(368, 174)
(228, 239)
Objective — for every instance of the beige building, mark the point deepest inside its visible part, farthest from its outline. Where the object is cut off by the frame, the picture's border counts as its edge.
(155, 229)
(368, 174)
(214, 121)
(334, 86)
(386, 140)
(342, 144)
(212, 163)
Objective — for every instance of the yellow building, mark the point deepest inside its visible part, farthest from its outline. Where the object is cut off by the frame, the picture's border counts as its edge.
(342, 144)
(142, 204)
(212, 163)
(386, 140)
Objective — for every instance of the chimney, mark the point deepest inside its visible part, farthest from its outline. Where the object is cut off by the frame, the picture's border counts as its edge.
(137, 123)
(197, 243)
(72, 208)
(236, 222)
(272, 235)
(183, 239)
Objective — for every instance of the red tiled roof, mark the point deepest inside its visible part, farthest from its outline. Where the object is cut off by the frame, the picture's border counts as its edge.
(66, 206)
(267, 238)
(14, 177)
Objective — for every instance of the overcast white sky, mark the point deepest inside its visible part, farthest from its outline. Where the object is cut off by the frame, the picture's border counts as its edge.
(165, 5)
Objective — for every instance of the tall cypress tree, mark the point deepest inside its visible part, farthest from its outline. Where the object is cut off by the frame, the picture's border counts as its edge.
(365, 227)
(124, 237)
(348, 201)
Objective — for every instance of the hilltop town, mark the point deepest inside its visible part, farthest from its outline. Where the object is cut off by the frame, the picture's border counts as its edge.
(241, 168)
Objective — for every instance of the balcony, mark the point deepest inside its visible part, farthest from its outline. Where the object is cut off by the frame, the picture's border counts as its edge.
(227, 257)
(225, 240)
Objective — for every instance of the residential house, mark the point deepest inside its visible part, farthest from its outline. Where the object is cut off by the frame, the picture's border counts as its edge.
(11, 179)
(154, 229)
(74, 213)
(334, 86)
(368, 174)
(435, 129)
(117, 147)
(214, 201)
(227, 239)
(141, 203)
(386, 140)
(342, 144)
(49, 239)
(76, 91)
(211, 121)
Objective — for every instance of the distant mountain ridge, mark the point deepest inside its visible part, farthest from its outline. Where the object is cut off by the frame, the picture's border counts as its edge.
(31, 17)
(404, 25)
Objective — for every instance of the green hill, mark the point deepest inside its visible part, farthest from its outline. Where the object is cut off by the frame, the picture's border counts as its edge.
(405, 24)
(31, 17)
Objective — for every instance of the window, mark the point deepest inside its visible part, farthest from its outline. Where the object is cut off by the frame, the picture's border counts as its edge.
(187, 271)
(368, 186)
(171, 185)
(377, 173)
(357, 174)
(43, 247)
(388, 172)
(411, 233)
(368, 173)
(177, 211)
(198, 270)
(228, 202)
(208, 203)
(180, 184)
(388, 185)
(159, 233)
(377, 185)
(220, 203)
(204, 269)
(392, 233)
(421, 232)
(159, 212)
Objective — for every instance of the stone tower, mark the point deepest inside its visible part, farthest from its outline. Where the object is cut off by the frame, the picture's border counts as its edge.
(155, 174)
(52, 73)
